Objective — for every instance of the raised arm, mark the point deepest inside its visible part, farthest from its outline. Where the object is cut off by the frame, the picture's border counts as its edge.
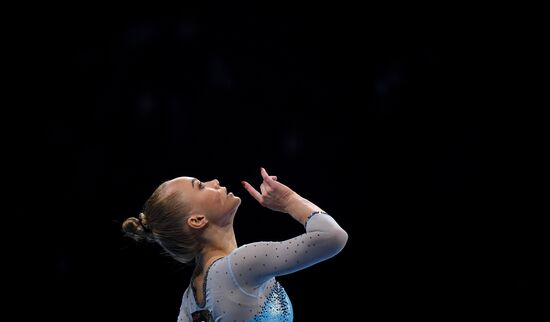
(255, 263)
(278, 197)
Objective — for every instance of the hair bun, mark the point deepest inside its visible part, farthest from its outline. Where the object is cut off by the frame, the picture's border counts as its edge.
(135, 229)
(143, 220)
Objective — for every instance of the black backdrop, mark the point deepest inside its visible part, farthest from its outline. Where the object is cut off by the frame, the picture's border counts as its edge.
(379, 122)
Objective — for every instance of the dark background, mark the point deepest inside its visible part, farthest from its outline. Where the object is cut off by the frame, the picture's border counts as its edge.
(397, 127)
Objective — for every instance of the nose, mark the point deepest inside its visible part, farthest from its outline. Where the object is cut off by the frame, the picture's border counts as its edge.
(216, 183)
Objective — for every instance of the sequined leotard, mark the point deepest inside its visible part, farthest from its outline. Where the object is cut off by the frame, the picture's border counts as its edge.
(242, 287)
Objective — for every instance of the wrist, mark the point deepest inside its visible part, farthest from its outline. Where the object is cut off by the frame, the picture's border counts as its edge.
(294, 203)
(300, 208)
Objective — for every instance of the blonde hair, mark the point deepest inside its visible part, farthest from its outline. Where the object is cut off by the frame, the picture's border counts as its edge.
(163, 220)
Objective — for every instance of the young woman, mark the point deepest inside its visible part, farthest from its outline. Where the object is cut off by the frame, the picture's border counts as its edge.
(193, 221)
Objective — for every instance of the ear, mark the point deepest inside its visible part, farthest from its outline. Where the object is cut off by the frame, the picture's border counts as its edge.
(197, 221)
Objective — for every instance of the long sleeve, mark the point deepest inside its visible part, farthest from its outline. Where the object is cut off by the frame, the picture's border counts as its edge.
(255, 263)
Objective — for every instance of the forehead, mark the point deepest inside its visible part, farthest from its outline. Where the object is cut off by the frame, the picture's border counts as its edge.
(178, 184)
(181, 180)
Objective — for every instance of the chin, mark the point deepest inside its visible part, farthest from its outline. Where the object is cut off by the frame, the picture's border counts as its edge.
(232, 196)
(237, 200)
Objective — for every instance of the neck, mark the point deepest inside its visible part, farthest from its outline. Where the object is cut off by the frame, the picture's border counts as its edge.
(220, 242)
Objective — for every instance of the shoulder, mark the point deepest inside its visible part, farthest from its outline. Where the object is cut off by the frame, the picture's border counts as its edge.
(187, 297)
(186, 305)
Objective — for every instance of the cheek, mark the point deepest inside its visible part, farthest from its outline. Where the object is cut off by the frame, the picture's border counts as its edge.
(203, 202)
(216, 199)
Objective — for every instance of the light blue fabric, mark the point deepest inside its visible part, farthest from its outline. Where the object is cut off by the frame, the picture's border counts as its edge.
(242, 285)
(276, 308)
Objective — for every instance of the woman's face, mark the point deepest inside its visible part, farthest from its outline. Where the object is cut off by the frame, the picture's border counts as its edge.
(207, 198)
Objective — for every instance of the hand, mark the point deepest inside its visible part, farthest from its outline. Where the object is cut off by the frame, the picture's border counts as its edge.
(275, 195)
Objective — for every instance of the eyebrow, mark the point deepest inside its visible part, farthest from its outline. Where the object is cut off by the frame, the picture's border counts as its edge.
(193, 182)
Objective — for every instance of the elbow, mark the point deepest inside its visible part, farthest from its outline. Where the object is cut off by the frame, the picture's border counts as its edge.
(342, 238)
(339, 238)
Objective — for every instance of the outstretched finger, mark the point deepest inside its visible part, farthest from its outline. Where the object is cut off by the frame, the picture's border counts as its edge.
(267, 178)
(253, 192)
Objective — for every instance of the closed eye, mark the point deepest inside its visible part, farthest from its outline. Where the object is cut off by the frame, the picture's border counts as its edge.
(200, 185)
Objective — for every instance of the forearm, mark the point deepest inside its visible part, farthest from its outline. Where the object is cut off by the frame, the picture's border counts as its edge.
(300, 208)
(323, 239)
